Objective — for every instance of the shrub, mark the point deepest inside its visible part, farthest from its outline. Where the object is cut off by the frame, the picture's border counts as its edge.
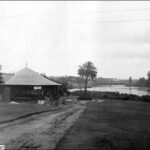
(84, 97)
(110, 95)
(145, 98)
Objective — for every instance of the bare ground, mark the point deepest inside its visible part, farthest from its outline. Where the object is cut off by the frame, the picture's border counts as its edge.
(40, 133)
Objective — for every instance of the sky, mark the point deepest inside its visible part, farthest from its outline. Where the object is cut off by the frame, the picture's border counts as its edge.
(55, 37)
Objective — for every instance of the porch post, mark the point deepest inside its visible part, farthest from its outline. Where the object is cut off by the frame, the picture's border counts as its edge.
(7, 93)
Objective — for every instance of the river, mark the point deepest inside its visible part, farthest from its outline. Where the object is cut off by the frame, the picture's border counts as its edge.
(119, 88)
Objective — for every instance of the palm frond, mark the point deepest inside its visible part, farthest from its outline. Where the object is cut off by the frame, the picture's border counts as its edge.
(87, 69)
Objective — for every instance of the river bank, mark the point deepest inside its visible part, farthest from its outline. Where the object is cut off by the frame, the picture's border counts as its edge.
(109, 95)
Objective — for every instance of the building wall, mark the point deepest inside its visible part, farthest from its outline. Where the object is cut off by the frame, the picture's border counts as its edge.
(9, 93)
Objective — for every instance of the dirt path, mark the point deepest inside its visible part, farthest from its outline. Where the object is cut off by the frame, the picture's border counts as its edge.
(41, 133)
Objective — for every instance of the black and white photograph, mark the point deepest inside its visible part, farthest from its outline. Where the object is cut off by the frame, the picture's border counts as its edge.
(74, 75)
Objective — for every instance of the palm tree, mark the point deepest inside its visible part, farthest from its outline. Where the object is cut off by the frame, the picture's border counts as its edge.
(87, 71)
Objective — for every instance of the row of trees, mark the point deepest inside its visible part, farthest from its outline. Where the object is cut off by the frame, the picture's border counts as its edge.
(143, 82)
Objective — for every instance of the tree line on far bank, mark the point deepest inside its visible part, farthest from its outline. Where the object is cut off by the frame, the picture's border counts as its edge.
(144, 82)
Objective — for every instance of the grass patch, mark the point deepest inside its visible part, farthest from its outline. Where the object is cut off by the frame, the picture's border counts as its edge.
(84, 97)
(110, 125)
(11, 111)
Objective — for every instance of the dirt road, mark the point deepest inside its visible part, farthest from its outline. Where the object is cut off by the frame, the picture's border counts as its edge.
(40, 133)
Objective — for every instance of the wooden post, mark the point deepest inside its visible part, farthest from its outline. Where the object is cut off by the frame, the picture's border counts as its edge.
(7, 93)
(58, 92)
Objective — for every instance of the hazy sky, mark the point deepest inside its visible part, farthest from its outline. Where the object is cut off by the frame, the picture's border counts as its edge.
(55, 37)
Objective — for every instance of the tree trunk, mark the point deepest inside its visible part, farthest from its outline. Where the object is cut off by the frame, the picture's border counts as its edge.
(85, 91)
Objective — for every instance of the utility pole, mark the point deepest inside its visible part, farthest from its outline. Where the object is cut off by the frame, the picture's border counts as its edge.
(26, 65)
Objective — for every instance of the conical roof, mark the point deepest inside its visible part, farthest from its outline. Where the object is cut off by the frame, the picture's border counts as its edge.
(27, 76)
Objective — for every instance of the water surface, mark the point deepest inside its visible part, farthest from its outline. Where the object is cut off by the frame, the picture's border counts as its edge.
(119, 88)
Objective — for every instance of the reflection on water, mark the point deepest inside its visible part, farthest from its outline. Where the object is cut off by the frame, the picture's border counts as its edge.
(120, 88)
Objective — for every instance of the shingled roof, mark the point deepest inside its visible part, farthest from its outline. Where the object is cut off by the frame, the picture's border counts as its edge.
(27, 76)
